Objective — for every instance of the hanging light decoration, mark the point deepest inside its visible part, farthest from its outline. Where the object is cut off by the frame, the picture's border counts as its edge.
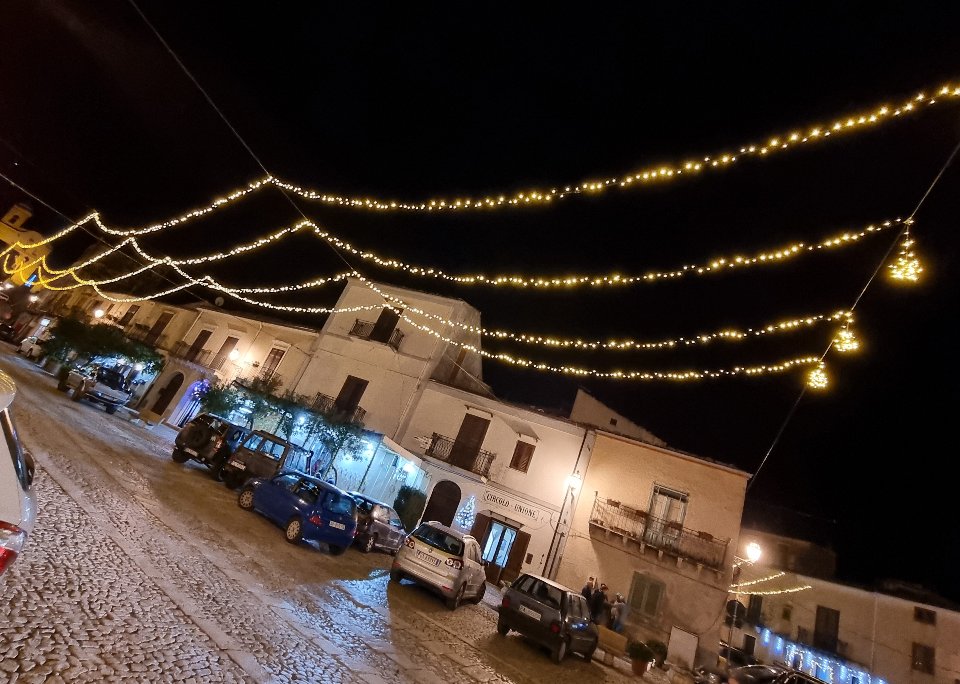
(846, 340)
(817, 378)
(907, 267)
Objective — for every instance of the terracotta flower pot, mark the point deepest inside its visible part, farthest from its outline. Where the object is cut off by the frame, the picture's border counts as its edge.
(639, 667)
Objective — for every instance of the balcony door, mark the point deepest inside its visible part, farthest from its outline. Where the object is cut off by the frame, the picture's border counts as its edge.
(350, 394)
(668, 508)
(158, 328)
(466, 447)
(197, 345)
(228, 346)
(271, 362)
(385, 325)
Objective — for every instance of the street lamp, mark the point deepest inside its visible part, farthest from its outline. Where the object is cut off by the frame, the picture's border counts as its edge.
(98, 313)
(753, 551)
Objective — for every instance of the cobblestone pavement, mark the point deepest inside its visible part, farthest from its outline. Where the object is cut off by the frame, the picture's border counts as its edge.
(141, 569)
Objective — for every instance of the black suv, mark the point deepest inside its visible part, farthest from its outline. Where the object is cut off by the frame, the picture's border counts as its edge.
(265, 455)
(210, 440)
(550, 614)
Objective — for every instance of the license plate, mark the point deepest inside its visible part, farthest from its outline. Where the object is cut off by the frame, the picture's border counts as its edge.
(339, 526)
(191, 452)
(238, 465)
(427, 557)
(532, 613)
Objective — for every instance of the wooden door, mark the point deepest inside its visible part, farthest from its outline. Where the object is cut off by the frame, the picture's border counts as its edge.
(517, 554)
(466, 446)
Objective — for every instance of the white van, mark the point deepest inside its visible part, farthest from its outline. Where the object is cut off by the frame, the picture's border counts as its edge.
(18, 504)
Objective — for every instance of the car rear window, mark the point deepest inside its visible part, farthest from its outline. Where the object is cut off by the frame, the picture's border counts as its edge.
(546, 594)
(363, 504)
(439, 539)
(339, 505)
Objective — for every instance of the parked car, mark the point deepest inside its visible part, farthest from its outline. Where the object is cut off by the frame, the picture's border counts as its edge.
(264, 455)
(549, 614)
(306, 507)
(104, 386)
(210, 440)
(18, 503)
(444, 560)
(7, 332)
(378, 526)
(769, 674)
(31, 347)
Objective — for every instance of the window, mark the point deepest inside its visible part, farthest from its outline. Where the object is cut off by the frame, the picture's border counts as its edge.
(522, 455)
(923, 658)
(754, 608)
(826, 629)
(787, 612)
(645, 594)
(547, 594)
(253, 442)
(924, 615)
(438, 539)
(129, 314)
(574, 607)
(668, 504)
(385, 325)
(272, 361)
(466, 446)
(289, 481)
(613, 421)
(499, 542)
(308, 491)
(339, 505)
(350, 394)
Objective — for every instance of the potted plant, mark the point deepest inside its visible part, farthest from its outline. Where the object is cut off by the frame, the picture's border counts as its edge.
(660, 652)
(640, 656)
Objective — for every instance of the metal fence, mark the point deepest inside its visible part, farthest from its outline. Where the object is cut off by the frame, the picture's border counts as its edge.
(648, 530)
(364, 329)
(441, 447)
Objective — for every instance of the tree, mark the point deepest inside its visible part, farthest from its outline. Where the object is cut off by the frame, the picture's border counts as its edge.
(220, 399)
(90, 342)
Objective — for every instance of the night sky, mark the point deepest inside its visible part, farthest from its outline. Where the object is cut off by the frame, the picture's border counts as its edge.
(412, 102)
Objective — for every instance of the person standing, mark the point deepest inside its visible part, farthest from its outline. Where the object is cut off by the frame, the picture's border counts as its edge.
(618, 613)
(587, 590)
(599, 605)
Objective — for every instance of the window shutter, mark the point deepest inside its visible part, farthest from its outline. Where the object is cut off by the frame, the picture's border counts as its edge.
(522, 456)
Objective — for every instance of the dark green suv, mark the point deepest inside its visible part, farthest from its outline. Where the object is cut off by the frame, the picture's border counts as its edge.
(264, 455)
(208, 439)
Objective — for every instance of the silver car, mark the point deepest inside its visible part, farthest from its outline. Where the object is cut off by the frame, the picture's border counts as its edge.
(18, 504)
(442, 559)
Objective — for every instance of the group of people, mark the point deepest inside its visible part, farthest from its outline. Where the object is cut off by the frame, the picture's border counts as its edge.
(611, 615)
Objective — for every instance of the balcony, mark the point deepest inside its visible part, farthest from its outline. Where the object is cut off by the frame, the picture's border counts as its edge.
(142, 333)
(631, 524)
(327, 405)
(363, 330)
(441, 447)
(267, 381)
(185, 351)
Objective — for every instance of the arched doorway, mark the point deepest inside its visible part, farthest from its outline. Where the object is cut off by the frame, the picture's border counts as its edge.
(188, 405)
(443, 503)
(166, 395)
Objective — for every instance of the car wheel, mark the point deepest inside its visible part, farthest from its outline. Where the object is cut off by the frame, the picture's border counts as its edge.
(62, 386)
(294, 531)
(217, 473)
(180, 456)
(502, 628)
(559, 651)
(111, 409)
(588, 656)
(245, 500)
(396, 576)
(481, 592)
(454, 602)
(336, 549)
(369, 543)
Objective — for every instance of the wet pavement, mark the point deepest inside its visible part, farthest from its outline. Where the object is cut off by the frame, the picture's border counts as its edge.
(142, 569)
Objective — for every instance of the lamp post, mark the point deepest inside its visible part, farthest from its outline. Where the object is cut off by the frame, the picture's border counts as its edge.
(753, 551)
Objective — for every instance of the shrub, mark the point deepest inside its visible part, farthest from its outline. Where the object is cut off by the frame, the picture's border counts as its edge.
(659, 650)
(637, 650)
(409, 505)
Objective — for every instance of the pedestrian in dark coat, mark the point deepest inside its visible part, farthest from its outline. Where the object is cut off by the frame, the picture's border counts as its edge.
(587, 590)
(599, 605)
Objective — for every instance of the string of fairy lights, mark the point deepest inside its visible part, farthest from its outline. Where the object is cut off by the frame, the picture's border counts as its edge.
(803, 136)
(906, 267)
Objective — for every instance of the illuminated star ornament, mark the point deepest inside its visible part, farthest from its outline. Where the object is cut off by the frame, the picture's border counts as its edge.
(907, 267)
(817, 379)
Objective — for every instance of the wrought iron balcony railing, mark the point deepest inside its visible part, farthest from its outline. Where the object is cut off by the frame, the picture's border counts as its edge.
(185, 351)
(363, 330)
(441, 447)
(648, 530)
(327, 405)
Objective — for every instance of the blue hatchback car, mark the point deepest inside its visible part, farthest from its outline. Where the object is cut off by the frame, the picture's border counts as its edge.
(307, 508)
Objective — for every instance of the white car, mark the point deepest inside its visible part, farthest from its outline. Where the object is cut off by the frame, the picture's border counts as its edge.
(31, 347)
(443, 559)
(18, 504)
